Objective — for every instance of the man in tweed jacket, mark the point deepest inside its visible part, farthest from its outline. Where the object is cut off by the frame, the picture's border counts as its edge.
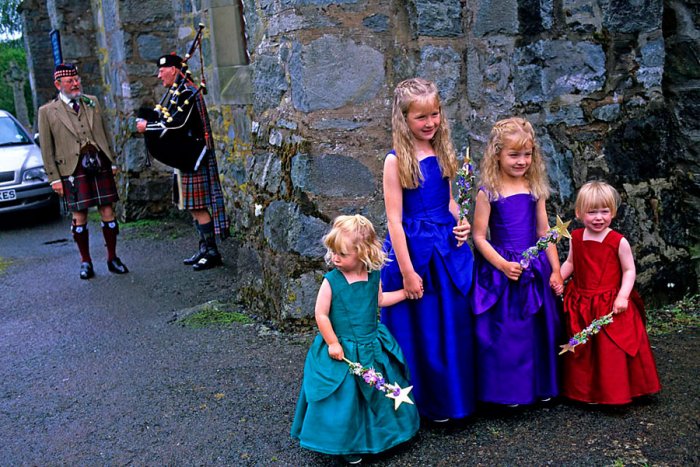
(80, 164)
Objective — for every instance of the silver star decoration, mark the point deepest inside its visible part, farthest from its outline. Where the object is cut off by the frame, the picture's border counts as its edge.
(401, 397)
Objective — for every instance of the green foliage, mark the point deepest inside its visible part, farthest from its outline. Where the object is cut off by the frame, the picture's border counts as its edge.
(13, 51)
(10, 21)
(676, 317)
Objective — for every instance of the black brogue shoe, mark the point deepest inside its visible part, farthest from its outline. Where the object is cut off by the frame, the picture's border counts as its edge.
(86, 271)
(117, 267)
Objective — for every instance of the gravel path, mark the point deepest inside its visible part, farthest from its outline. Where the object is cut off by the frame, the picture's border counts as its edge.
(100, 372)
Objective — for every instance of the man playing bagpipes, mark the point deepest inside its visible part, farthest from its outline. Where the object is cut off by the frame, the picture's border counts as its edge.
(178, 133)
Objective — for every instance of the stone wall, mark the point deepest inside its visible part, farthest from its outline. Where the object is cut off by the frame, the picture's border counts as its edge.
(610, 85)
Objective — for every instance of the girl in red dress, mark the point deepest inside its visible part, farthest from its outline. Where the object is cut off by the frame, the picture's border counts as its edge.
(616, 364)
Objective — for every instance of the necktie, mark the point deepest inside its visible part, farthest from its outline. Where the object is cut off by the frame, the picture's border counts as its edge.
(75, 105)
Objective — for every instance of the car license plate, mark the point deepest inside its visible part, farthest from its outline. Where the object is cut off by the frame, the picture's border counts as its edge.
(7, 195)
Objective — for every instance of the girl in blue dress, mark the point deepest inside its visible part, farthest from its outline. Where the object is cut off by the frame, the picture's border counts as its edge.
(435, 328)
(517, 321)
(339, 413)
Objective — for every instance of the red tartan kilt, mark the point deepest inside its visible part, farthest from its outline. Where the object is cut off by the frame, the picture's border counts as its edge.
(85, 190)
(196, 187)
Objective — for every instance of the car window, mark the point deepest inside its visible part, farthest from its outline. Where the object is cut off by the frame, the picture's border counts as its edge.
(11, 133)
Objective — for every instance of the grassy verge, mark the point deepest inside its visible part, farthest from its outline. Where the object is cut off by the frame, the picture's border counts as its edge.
(166, 228)
(675, 317)
(215, 314)
(4, 264)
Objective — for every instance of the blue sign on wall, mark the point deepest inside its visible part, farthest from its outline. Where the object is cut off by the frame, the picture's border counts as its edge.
(55, 37)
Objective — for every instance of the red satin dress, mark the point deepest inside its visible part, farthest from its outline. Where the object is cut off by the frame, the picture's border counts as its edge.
(616, 364)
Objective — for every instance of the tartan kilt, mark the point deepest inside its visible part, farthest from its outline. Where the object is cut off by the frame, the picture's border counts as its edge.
(82, 190)
(196, 188)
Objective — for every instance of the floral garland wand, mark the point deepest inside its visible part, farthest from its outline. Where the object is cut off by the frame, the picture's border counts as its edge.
(553, 235)
(376, 380)
(583, 336)
(465, 181)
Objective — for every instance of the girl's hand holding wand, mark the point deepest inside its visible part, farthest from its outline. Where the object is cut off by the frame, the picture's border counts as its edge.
(336, 351)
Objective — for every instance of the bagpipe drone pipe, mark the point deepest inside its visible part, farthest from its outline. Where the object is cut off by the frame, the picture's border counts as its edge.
(177, 134)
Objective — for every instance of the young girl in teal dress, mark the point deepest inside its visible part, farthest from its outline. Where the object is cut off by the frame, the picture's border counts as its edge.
(337, 412)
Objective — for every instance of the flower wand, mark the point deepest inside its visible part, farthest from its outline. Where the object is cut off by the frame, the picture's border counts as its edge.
(376, 380)
(465, 181)
(583, 336)
(553, 235)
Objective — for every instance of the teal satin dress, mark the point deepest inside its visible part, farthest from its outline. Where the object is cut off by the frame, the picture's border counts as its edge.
(337, 412)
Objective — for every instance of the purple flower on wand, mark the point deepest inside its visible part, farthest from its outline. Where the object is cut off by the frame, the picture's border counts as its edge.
(553, 235)
(465, 182)
(376, 380)
(583, 336)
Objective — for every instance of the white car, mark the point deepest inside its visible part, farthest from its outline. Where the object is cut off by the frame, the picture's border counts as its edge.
(24, 185)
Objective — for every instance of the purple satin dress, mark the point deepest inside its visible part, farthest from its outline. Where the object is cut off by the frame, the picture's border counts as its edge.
(517, 322)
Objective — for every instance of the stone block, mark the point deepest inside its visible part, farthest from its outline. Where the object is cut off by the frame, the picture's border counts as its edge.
(583, 16)
(439, 18)
(563, 67)
(150, 47)
(288, 230)
(558, 168)
(332, 175)
(320, 81)
(265, 171)
(298, 298)
(376, 23)
(630, 16)
(442, 65)
(269, 82)
(496, 17)
(607, 113)
(651, 66)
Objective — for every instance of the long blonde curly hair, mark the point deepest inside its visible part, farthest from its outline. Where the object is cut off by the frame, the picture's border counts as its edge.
(521, 131)
(410, 91)
(358, 233)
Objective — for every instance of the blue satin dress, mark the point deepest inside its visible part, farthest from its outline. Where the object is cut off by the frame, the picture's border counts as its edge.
(436, 332)
(517, 322)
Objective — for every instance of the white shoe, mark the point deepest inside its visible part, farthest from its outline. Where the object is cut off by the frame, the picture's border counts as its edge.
(512, 406)
(441, 420)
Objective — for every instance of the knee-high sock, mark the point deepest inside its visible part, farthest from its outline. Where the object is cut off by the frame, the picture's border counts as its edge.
(207, 234)
(110, 230)
(81, 237)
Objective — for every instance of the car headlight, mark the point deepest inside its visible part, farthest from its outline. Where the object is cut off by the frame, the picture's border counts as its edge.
(37, 174)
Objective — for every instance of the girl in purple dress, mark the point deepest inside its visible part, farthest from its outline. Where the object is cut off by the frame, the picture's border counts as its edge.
(517, 322)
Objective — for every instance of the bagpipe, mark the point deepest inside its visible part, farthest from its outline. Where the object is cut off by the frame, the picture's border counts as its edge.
(173, 135)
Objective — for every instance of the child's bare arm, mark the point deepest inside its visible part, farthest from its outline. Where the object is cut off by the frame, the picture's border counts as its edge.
(629, 274)
(482, 211)
(390, 298)
(322, 313)
(568, 267)
(393, 202)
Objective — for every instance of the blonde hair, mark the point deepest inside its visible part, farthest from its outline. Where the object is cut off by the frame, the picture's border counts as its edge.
(408, 92)
(359, 232)
(521, 130)
(596, 195)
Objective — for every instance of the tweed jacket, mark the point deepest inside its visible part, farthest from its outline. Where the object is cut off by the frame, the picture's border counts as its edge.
(60, 144)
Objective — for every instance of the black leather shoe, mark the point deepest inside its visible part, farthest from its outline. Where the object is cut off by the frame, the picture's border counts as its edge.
(194, 258)
(86, 271)
(208, 261)
(117, 267)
